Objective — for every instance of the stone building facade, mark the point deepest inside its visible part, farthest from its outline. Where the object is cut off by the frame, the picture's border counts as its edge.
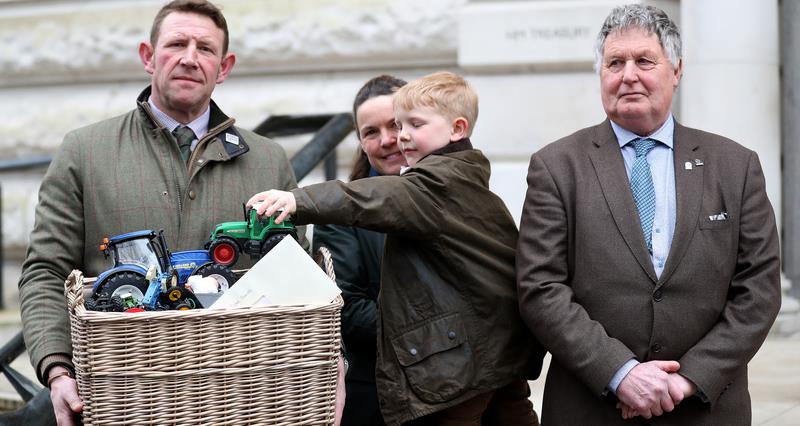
(68, 63)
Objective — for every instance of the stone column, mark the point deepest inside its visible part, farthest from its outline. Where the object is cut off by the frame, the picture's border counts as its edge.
(790, 71)
(731, 86)
(731, 77)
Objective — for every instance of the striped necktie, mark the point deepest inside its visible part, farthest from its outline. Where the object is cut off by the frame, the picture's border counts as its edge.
(184, 136)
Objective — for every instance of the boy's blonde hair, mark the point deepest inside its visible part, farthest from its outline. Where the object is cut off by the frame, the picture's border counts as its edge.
(446, 92)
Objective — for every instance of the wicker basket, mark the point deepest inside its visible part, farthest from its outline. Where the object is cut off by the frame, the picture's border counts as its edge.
(263, 365)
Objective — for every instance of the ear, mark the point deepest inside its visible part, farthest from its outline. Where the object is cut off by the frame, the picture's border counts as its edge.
(459, 130)
(146, 55)
(678, 72)
(225, 67)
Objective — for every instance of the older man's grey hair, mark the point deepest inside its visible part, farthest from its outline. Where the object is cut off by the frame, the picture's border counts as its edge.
(648, 18)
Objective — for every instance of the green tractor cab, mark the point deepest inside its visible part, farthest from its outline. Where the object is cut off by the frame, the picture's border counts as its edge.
(255, 236)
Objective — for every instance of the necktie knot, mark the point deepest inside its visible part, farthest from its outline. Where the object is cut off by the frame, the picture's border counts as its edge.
(184, 135)
(643, 146)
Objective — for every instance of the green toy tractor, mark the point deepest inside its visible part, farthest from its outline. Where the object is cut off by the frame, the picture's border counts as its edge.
(255, 236)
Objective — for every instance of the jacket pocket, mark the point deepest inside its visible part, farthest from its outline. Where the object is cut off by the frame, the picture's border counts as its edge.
(706, 223)
(436, 359)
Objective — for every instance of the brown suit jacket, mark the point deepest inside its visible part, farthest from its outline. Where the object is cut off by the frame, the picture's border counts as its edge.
(589, 292)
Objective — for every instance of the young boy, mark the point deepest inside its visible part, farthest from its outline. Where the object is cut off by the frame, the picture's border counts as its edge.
(452, 348)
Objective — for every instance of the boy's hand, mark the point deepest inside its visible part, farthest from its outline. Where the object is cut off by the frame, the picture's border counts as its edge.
(272, 201)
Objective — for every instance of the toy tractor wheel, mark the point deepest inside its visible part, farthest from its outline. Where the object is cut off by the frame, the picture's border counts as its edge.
(90, 304)
(224, 276)
(124, 282)
(271, 242)
(224, 251)
(117, 304)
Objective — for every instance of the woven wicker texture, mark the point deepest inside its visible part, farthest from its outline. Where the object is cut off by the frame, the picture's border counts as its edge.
(265, 365)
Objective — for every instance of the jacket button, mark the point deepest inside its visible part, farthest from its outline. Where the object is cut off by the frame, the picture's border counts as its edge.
(656, 348)
(658, 295)
(451, 335)
(413, 351)
(192, 194)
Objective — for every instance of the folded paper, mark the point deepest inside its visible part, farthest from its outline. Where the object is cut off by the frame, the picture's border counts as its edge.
(285, 276)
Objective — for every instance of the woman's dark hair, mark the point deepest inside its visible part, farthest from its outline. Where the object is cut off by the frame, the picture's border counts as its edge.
(378, 86)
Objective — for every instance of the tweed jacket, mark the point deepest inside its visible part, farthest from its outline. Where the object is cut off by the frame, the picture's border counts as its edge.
(448, 321)
(126, 174)
(589, 292)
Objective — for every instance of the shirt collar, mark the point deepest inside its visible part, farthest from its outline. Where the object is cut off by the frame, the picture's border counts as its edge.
(199, 126)
(664, 134)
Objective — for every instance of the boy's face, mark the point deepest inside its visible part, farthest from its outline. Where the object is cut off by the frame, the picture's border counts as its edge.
(422, 131)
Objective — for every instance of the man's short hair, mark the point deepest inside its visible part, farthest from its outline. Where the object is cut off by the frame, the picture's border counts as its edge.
(648, 18)
(446, 92)
(200, 7)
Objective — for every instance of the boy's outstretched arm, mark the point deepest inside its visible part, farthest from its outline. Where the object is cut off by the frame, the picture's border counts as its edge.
(272, 201)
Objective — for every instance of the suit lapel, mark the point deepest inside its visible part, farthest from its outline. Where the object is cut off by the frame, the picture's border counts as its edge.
(610, 168)
(688, 197)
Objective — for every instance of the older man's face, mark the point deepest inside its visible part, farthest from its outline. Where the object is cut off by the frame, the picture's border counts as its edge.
(637, 81)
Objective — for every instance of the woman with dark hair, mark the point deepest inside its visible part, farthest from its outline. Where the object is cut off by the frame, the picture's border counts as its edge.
(357, 252)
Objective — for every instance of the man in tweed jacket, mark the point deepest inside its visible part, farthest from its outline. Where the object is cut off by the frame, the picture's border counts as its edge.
(127, 173)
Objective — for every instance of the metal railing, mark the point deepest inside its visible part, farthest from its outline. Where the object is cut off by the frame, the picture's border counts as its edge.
(329, 131)
(16, 165)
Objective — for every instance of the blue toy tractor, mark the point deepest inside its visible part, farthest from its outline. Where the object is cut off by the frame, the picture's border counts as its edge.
(146, 273)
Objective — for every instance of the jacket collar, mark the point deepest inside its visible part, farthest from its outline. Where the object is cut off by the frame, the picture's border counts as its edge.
(220, 126)
(459, 145)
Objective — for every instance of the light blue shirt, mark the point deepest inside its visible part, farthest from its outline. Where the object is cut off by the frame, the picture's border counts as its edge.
(199, 126)
(662, 169)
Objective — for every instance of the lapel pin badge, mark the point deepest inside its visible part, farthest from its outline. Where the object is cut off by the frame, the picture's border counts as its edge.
(231, 138)
(688, 165)
(698, 162)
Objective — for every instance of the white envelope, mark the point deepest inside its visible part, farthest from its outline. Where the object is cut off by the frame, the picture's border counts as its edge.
(285, 276)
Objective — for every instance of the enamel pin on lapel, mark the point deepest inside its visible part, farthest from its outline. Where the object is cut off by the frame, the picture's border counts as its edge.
(697, 163)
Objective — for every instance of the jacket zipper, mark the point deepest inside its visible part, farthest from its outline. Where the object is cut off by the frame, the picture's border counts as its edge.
(212, 133)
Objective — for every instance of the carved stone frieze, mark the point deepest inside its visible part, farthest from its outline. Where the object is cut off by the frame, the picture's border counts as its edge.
(97, 41)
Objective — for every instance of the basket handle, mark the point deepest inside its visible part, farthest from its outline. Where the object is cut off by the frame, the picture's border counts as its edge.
(73, 290)
(326, 262)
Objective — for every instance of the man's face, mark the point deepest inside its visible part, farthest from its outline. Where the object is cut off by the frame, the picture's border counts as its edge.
(637, 81)
(186, 64)
(378, 135)
(422, 131)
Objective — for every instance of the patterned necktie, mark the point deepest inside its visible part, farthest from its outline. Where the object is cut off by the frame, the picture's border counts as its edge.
(644, 194)
(184, 136)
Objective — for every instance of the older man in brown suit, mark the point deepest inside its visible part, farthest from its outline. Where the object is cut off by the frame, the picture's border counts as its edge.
(648, 259)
